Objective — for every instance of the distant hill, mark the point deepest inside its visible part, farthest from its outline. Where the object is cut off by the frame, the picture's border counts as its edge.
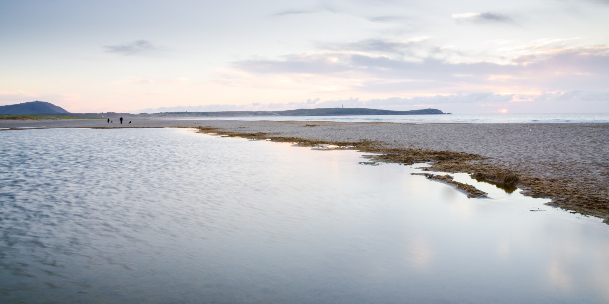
(298, 112)
(354, 111)
(32, 108)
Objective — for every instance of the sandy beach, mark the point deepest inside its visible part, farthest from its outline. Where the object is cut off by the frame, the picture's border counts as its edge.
(568, 163)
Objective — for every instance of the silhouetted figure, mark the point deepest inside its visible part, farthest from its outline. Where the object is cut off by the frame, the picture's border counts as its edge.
(121, 120)
(108, 120)
(130, 121)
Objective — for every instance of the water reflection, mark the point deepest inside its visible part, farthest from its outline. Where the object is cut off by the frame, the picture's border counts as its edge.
(163, 215)
(420, 253)
(507, 188)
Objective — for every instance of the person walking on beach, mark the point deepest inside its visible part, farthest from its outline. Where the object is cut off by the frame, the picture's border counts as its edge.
(108, 120)
(121, 120)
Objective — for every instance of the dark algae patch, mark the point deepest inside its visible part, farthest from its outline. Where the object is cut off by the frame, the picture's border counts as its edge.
(576, 196)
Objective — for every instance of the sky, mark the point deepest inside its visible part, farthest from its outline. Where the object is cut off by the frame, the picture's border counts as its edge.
(463, 57)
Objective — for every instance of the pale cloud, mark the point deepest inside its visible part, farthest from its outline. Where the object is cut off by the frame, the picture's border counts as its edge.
(133, 48)
(606, 2)
(152, 81)
(321, 7)
(378, 46)
(387, 18)
(538, 66)
(480, 98)
(482, 18)
(546, 46)
(310, 63)
(294, 12)
(574, 96)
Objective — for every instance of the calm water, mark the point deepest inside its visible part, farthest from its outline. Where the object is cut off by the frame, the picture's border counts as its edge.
(167, 215)
(452, 118)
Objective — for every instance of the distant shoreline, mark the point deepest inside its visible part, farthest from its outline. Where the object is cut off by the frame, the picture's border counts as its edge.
(40, 108)
(567, 162)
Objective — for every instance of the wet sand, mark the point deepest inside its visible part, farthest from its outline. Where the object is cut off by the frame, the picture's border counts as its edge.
(568, 163)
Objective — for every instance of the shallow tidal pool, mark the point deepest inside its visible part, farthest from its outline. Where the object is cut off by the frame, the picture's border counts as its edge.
(170, 215)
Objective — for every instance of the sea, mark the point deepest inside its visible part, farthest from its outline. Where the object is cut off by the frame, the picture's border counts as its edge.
(439, 118)
(174, 216)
